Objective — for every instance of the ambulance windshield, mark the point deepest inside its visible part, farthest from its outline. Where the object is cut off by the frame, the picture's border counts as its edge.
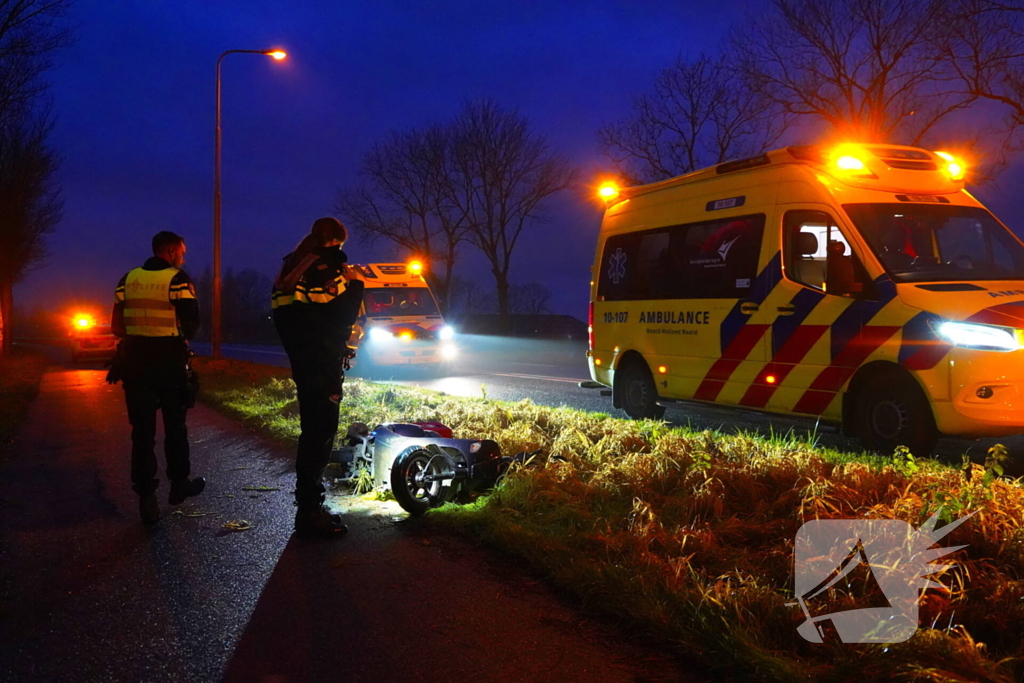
(398, 301)
(938, 242)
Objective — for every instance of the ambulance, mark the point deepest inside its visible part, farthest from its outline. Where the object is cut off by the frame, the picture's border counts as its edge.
(859, 284)
(400, 323)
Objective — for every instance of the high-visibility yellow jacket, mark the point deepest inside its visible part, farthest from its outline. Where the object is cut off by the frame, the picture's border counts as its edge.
(155, 300)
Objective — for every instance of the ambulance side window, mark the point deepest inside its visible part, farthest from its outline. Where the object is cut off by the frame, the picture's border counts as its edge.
(707, 260)
(816, 253)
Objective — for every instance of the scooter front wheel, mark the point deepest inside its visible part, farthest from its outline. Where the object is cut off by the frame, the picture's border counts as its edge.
(417, 479)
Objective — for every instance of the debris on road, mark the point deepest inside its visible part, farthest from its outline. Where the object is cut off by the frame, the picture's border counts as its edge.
(237, 525)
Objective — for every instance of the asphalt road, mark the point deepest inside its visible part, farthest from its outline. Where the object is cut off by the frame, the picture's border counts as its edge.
(87, 593)
(548, 373)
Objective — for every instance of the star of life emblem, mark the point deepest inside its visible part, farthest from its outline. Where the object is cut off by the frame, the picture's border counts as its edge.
(617, 266)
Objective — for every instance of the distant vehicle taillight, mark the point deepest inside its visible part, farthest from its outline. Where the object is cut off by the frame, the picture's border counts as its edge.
(590, 327)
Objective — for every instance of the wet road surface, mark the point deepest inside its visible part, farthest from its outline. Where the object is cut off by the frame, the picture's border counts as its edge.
(87, 593)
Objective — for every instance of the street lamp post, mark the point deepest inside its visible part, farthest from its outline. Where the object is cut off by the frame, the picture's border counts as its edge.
(215, 336)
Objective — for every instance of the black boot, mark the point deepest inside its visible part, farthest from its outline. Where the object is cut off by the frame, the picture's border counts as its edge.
(149, 509)
(318, 522)
(185, 488)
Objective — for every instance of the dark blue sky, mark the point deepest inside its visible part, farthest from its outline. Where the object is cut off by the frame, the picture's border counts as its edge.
(134, 99)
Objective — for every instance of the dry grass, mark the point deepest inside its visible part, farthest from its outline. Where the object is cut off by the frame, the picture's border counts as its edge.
(690, 534)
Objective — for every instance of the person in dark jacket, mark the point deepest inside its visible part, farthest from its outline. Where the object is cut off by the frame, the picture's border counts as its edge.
(155, 314)
(315, 301)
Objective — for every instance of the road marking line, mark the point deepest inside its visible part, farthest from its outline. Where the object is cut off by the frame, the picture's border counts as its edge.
(544, 377)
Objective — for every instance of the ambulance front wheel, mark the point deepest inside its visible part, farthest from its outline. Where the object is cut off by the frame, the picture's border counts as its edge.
(637, 393)
(893, 411)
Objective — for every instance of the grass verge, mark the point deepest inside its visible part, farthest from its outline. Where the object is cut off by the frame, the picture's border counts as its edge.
(690, 534)
(20, 374)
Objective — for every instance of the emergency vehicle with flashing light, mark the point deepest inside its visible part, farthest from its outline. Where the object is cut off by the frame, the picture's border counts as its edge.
(90, 340)
(858, 284)
(400, 323)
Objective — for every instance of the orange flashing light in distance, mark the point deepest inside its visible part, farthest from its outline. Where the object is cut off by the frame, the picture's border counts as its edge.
(954, 167)
(662, 369)
(405, 336)
(770, 379)
(415, 267)
(83, 322)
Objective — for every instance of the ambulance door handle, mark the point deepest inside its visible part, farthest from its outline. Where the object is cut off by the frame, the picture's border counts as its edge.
(787, 310)
(748, 308)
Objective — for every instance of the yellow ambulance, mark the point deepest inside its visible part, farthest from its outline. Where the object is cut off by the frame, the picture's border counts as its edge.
(859, 284)
(400, 322)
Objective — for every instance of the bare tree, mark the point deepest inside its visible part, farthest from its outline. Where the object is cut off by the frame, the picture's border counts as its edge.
(697, 113)
(30, 30)
(529, 299)
(501, 173)
(982, 43)
(467, 297)
(881, 70)
(30, 205)
(405, 199)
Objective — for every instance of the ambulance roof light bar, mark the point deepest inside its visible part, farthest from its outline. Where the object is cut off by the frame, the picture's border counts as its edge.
(608, 191)
(954, 167)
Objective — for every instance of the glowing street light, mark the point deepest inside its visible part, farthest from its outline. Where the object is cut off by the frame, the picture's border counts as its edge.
(215, 336)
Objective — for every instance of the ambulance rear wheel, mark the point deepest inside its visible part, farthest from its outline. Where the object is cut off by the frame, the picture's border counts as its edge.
(893, 411)
(637, 392)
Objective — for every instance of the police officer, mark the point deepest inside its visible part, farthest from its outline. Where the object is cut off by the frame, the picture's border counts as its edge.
(315, 301)
(155, 313)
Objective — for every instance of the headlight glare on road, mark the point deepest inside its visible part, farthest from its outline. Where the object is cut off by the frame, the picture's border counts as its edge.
(380, 334)
(447, 332)
(972, 336)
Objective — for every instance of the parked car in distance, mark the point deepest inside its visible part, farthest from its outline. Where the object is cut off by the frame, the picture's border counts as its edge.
(90, 341)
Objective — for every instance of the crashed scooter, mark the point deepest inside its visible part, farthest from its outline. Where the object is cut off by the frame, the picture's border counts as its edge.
(422, 465)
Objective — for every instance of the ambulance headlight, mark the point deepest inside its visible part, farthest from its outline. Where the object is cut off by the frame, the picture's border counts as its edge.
(446, 332)
(972, 336)
(380, 334)
(449, 351)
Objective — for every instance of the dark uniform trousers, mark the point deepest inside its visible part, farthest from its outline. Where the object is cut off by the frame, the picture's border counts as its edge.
(318, 380)
(155, 379)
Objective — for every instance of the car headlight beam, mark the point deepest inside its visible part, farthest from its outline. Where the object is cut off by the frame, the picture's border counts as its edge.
(974, 336)
(380, 334)
(446, 332)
